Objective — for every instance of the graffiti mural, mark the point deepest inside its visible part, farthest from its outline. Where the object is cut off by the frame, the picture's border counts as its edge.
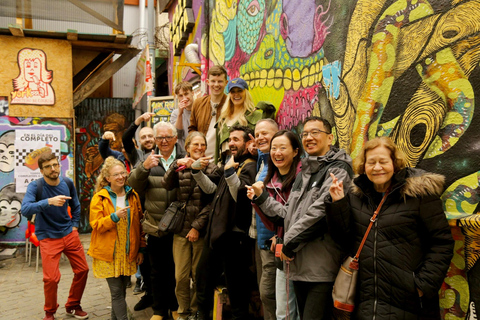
(95, 116)
(408, 69)
(12, 225)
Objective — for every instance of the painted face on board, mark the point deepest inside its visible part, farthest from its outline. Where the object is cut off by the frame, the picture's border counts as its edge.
(33, 70)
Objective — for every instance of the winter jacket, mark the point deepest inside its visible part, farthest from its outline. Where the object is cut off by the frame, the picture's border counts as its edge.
(226, 214)
(317, 256)
(195, 216)
(264, 233)
(150, 184)
(104, 227)
(274, 188)
(410, 245)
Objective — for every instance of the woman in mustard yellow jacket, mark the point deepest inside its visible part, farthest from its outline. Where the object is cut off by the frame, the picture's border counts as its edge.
(117, 240)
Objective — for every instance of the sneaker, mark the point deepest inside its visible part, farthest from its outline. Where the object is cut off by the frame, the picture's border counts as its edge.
(77, 312)
(145, 302)
(138, 287)
(49, 316)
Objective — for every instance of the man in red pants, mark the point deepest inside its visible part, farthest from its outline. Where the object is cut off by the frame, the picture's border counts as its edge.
(57, 233)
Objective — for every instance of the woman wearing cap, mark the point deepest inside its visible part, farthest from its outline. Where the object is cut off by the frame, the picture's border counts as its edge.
(237, 110)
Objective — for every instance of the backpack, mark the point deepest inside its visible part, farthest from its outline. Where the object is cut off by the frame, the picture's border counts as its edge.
(38, 196)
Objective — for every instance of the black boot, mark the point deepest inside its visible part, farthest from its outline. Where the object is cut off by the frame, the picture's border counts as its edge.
(145, 302)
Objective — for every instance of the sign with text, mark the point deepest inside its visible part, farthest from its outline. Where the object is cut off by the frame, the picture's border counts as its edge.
(29, 146)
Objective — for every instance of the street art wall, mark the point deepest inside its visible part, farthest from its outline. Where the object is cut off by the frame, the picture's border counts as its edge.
(408, 69)
(94, 117)
(12, 224)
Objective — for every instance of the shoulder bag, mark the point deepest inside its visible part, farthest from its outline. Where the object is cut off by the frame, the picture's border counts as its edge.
(174, 217)
(346, 282)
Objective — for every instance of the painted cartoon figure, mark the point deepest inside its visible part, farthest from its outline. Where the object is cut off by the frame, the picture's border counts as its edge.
(33, 84)
(7, 151)
(10, 204)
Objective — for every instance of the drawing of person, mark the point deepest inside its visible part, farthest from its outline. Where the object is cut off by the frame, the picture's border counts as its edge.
(7, 151)
(93, 160)
(33, 84)
(10, 204)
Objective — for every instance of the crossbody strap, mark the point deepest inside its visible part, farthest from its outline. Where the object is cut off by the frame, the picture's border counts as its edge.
(372, 220)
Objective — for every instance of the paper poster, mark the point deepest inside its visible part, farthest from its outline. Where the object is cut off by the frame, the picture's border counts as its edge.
(29, 146)
(33, 83)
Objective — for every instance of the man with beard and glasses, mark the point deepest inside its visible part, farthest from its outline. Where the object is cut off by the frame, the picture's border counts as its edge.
(227, 245)
(146, 138)
(57, 233)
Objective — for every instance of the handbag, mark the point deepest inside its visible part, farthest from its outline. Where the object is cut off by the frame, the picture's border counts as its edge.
(346, 281)
(173, 218)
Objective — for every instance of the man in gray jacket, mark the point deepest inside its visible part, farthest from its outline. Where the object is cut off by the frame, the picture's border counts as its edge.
(312, 257)
(147, 180)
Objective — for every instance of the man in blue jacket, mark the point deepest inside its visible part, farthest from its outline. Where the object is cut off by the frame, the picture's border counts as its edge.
(264, 258)
(57, 233)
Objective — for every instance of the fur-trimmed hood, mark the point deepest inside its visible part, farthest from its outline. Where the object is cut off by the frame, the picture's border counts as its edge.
(410, 182)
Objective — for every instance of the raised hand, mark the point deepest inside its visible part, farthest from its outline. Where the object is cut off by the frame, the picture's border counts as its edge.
(58, 201)
(201, 163)
(231, 163)
(108, 135)
(144, 118)
(336, 189)
(152, 160)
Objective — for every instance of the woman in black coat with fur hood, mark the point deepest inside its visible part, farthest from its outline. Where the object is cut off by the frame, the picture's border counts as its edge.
(408, 250)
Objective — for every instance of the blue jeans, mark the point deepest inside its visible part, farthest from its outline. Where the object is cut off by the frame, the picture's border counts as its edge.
(281, 297)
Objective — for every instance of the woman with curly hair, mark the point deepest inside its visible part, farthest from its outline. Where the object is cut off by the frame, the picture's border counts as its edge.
(117, 242)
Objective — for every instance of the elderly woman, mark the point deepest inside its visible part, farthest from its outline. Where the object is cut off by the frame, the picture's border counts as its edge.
(117, 240)
(188, 243)
(408, 251)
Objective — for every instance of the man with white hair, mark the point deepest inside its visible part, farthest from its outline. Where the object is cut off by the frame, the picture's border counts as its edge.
(147, 180)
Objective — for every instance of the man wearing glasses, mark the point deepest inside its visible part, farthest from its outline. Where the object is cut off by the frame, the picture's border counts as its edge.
(313, 257)
(58, 234)
(147, 180)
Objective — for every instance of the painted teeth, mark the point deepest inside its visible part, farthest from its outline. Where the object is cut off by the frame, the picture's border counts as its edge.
(288, 79)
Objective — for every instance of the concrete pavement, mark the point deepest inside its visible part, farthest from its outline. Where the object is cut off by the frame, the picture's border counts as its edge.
(21, 290)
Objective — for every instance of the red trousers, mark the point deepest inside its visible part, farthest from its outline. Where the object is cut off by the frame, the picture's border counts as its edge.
(51, 250)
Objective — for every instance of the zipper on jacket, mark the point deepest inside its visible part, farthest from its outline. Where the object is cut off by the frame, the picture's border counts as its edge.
(375, 271)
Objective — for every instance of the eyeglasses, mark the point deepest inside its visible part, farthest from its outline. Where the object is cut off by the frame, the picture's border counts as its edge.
(168, 138)
(116, 175)
(314, 133)
(50, 166)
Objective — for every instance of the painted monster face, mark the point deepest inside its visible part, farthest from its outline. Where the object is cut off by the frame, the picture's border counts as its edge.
(9, 212)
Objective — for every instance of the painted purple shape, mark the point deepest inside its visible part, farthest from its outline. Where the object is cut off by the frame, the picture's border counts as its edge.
(302, 27)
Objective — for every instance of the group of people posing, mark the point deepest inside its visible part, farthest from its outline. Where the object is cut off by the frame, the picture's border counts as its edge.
(287, 203)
